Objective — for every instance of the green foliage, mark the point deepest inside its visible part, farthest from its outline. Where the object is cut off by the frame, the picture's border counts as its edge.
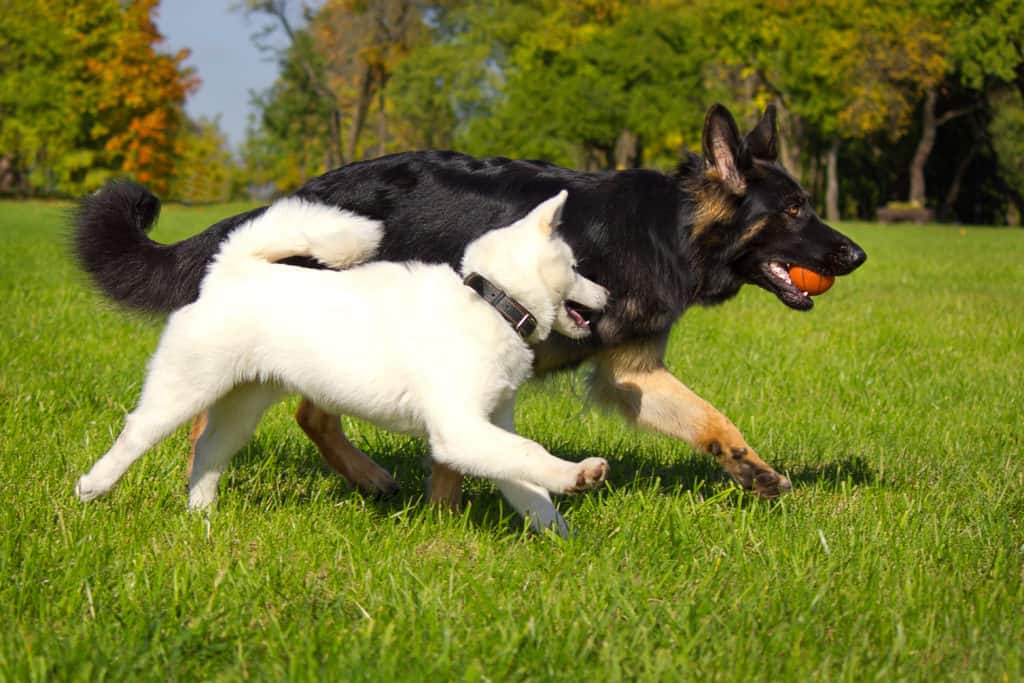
(38, 85)
(292, 137)
(894, 406)
(205, 169)
(438, 90)
(577, 81)
(987, 41)
(1007, 131)
(85, 94)
(599, 84)
(846, 68)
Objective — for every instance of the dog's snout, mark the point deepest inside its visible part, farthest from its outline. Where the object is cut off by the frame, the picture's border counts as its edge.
(851, 256)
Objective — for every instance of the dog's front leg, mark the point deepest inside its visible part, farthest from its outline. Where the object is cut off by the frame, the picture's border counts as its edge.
(634, 380)
(531, 501)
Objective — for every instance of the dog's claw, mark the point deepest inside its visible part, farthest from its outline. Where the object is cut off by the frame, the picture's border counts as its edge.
(748, 470)
(771, 485)
(382, 486)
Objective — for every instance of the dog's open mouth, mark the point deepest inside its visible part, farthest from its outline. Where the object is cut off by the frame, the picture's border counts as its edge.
(579, 314)
(779, 282)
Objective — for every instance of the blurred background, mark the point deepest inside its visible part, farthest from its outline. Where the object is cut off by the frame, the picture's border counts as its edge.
(891, 111)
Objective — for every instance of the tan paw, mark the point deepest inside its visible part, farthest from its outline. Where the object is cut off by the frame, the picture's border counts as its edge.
(771, 484)
(378, 483)
(749, 471)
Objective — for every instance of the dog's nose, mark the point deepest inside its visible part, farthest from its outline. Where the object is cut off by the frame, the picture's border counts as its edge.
(852, 256)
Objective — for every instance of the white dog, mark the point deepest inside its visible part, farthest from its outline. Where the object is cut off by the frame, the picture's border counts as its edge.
(409, 347)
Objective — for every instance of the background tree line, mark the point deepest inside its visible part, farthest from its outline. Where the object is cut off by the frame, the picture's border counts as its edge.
(920, 102)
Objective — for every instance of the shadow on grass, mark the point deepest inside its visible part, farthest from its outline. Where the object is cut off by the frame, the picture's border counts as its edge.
(302, 472)
(853, 471)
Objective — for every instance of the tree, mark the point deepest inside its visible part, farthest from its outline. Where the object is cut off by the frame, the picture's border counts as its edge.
(85, 94)
(139, 98)
(1007, 139)
(862, 88)
(204, 165)
(335, 73)
(839, 69)
(297, 132)
(360, 70)
(987, 41)
(591, 83)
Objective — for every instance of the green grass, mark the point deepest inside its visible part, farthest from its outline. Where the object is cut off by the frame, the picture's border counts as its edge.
(895, 407)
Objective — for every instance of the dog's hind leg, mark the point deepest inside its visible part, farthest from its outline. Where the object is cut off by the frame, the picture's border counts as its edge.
(634, 380)
(171, 395)
(230, 423)
(324, 430)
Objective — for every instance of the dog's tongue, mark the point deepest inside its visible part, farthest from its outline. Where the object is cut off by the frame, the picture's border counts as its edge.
(576, 317)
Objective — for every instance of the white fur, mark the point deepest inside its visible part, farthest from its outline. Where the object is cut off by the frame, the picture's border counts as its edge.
(406, 346)
(295, 227)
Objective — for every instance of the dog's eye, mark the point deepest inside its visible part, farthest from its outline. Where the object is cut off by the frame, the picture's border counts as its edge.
(793, 210)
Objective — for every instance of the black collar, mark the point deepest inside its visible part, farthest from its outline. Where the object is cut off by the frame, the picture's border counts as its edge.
(515, 313)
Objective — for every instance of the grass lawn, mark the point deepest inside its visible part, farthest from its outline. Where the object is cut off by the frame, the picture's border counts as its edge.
(895, 407)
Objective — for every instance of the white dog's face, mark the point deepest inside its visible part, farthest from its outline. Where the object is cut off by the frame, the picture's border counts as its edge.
(538, 268)
(575, 297)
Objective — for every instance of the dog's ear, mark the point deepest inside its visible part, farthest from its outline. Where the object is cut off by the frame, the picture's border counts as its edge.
(548, 214)
(763, 140)
(724, 151)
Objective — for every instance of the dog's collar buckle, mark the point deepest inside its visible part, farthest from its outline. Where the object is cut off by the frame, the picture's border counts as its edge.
(521, 320)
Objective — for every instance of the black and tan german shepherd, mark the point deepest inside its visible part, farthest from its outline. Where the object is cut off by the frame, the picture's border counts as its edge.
(659, 242)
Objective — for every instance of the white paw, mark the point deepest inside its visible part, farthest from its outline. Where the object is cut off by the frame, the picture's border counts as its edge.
(588, 474)
(87, 490)
(553, 522)
(199, 500)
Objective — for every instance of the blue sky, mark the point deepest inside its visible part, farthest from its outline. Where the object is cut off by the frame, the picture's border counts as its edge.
(224, 56)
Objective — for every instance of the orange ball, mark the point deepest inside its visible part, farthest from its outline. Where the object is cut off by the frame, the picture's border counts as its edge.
(809, 281)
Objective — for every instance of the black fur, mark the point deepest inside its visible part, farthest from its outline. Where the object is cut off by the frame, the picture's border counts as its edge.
(637, 232)
(111, 245)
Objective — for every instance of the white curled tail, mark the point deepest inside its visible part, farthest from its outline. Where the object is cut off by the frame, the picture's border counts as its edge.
(296, 227)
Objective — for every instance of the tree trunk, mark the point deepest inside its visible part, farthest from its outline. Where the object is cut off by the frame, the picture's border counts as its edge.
(382, 116)
(930, 124)
(592, 158)
(832, 191)
(929, 127)
(626, 150)
(958, 178)
(8, 174)
(1020, 74)
(789, 137)
(355, 129)
(335, 154)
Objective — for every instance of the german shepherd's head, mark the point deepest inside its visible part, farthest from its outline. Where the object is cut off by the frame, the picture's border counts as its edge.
(752, 220)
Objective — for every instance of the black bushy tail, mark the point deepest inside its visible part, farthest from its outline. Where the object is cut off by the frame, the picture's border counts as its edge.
(110, 244)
